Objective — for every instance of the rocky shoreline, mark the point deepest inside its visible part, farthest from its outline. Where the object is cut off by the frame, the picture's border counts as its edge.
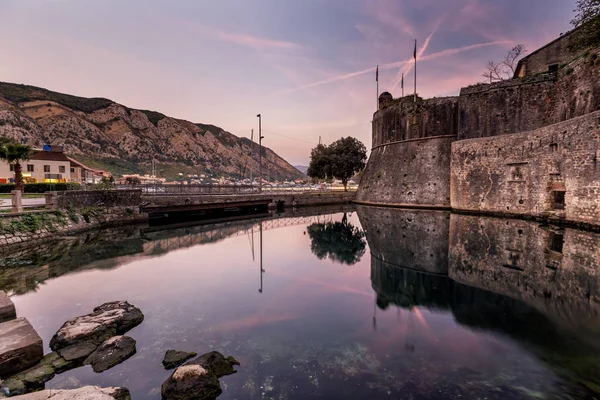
(98, 339)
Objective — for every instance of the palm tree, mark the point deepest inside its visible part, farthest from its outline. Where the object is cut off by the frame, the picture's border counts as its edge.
(14, 153)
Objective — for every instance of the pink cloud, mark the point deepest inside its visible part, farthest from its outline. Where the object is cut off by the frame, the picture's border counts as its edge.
(255, 42)
(405, 64)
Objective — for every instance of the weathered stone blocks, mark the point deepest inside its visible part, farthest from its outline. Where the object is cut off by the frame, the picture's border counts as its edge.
(7, 308)
(20, 346)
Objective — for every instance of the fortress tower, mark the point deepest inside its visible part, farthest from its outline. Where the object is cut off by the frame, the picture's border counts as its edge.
(526, 146)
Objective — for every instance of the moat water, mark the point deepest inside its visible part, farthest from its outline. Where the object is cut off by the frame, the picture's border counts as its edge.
(364, 303)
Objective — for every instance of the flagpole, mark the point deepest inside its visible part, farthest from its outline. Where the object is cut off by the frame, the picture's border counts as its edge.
(415, 70)
(403, 84)
(377, 80)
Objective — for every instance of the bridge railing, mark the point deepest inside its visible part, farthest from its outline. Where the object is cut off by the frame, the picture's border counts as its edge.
(216, 190)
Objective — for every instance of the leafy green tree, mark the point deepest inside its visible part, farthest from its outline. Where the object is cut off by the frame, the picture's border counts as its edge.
(340, 241)
(587, 16)
(341, 160)
(133, 180)
(15, 153)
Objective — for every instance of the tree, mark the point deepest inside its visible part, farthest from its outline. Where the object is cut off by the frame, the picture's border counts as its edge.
(15, 153)
(133, 180)
(505, 69)
(340, 241)
(587, 11)
(341, 160)
(587, 16)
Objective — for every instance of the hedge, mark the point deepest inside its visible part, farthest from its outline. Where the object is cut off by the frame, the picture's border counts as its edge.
(40, 187)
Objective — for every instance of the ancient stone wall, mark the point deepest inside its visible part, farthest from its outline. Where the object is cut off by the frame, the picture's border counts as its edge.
(411, 239)
(403, 119)
(413, 172)
(551, 172)
(532, 102)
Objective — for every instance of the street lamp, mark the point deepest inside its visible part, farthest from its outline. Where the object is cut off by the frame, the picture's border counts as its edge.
(260, 138)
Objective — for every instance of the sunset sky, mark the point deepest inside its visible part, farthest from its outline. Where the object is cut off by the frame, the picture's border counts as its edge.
(308, 66)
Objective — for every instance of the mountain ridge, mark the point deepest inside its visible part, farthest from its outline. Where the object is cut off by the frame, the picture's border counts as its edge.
(108, 135)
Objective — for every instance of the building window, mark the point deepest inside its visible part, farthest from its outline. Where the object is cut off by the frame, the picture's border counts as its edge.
(556, 242)
(46, 168)
(72, 170)
(558, 199)
(29, 168)
(61, 168)
(12, 167)
(553, 68)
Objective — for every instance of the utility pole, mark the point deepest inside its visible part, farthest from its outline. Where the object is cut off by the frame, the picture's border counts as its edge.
(260, 138)
(251, 147)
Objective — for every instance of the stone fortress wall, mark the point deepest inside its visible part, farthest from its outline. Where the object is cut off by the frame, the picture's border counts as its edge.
(526, 146)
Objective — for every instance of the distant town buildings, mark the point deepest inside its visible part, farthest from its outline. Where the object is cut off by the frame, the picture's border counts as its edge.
(52, 165)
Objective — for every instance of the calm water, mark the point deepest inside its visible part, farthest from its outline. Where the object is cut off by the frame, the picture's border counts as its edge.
(368, 304)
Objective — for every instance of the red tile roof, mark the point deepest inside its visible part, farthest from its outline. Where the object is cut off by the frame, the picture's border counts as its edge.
(50, 156)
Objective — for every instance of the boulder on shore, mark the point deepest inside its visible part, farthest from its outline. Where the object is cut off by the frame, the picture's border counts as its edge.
(112, 352)
(106, 321)
(199, 378)
(174, 358)
(86, 392)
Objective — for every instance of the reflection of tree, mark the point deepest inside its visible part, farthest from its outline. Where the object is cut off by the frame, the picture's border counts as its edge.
(340, 241)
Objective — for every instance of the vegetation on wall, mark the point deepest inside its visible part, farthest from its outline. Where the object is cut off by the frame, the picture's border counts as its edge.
(33, 222)
(587, 17)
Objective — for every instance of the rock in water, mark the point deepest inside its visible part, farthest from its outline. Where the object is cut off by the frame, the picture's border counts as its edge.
(174, 358)
(86, 392)
(191, 382)
(7, 308)
(107, 320)
(112, 352)
(77, 352)
(217, 363)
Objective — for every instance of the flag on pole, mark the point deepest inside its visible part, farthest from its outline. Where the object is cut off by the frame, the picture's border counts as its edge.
(377, 74)
(415, 53)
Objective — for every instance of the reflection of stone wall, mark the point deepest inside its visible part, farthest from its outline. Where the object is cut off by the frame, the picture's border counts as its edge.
(555, 271)
(408, 287)
(409, 238)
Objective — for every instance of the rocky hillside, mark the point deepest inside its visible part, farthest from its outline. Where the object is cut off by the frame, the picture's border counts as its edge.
(110, 136)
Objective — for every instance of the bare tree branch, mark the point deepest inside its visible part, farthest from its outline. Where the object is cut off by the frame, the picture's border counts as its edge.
(505, 69)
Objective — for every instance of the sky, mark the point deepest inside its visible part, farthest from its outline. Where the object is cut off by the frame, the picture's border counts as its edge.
(307, 66)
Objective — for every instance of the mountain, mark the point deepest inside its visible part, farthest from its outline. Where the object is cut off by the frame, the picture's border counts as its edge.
(302, 168)
(110, 136)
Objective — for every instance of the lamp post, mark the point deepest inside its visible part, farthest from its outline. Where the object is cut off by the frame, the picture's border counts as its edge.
(260, 138)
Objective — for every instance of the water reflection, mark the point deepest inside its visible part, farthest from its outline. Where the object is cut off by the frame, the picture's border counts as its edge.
(339, 241)
(463, 307)
(537, 284)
